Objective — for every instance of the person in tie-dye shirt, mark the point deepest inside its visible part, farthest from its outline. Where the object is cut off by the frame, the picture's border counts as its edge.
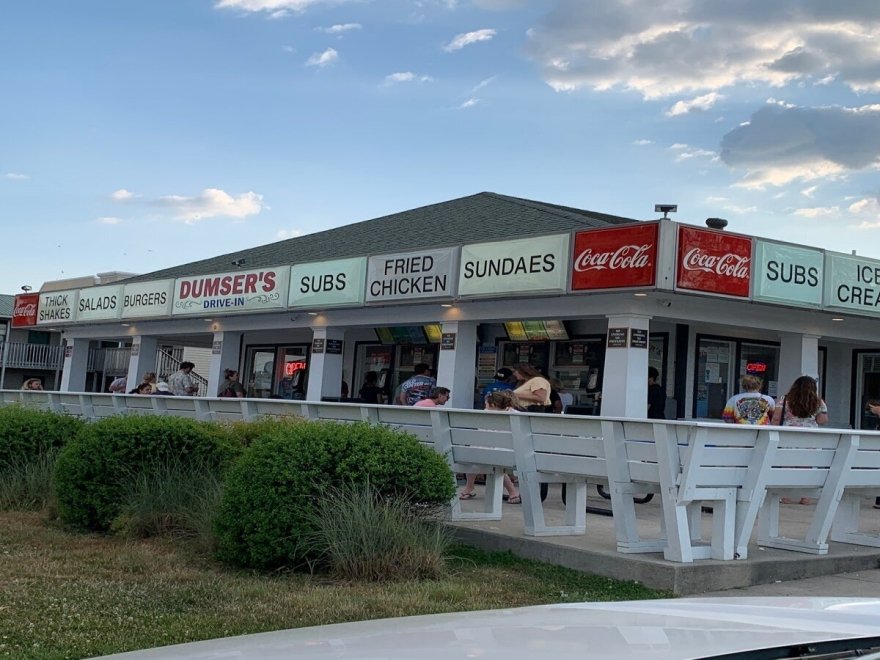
(749, 406)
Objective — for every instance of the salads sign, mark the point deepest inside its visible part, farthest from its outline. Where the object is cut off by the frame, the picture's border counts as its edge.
(99, 303)
(243, 291)
(713, 262)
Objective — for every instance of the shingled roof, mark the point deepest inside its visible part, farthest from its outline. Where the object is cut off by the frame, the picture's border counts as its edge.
(7, 304)
(485, 216)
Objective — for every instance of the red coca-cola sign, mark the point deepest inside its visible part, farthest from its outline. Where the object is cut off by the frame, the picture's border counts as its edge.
(25, 312)
(615, 258)
(714, 261)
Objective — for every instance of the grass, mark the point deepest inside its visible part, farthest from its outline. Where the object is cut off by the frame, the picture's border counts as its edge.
(65, 595)
(26, 485)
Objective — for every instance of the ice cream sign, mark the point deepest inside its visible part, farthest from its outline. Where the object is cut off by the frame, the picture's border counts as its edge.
(243, 291)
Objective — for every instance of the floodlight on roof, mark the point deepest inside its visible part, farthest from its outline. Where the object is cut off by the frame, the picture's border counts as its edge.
(665, 209)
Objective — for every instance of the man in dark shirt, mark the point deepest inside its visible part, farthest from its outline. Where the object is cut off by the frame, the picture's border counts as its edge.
(656, 395)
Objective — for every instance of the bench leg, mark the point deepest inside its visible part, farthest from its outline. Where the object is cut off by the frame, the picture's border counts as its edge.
(625, 522)
(491, 501)
(575, 521)
(846, 524)
(724, 527)
(768, 529)
(746, 516)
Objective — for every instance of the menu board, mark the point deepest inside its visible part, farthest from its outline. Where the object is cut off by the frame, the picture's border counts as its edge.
(535, 330)
(433, 331)
(515, 331)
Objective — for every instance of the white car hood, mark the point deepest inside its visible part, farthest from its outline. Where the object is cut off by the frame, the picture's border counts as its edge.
(656, 629)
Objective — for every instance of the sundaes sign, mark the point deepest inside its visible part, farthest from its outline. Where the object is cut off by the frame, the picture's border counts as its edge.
(615, 258)
(244, 291)
(714, 262)
(25, 312)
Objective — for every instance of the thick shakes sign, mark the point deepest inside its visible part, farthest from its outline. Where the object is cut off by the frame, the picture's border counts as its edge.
(57, 307)
(24, 314)
(615, 258)
(713, 262)
(852, 283)
(147, 299)
(410, 276)
(328, 283)
(787, 274)
(99, 303)
(242, 291)
(509, 267)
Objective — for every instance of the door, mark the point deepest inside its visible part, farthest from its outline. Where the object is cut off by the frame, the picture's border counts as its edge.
(374, 357)
(714, 378)
(260, 372)
(867, 389)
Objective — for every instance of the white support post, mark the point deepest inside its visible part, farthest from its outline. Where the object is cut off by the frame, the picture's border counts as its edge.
(225, 354)
(142, 358)
(325, 366)
(625, 379)
(456, 367)
(76, 364)
(798, 356)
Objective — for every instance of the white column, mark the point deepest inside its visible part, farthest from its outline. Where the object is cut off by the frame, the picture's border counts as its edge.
(325, 369)
(798, 356)
(456, 366)
(225, 354)
(76, 363)
(142, 359)
(625, 381)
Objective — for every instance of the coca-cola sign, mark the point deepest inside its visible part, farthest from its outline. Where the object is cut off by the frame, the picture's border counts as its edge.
(714, 262)
(615, 258)
(24, 314)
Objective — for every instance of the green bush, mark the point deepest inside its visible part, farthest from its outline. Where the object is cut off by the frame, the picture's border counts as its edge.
(27, 433)
(264, 515)
(361, 535)
(93, 471)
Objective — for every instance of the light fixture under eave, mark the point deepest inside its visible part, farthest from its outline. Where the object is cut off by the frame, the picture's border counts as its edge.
(126, 325)
(837, 318)
(447, 305)
(208, 320)
(313, 313)
(640, 295)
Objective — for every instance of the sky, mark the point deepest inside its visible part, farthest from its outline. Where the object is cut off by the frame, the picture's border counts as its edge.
(145, 134)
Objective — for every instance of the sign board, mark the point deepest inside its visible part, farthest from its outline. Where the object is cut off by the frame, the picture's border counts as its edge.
(334, 347)
(638, 338)
(508, 267)
(447, 341)
(615, 258)
(851, 283)
(147, 299)
(135, 349)
(787, 274)
(243, 291)
(217, 348)
(617, 337)
(68, 351)
(328, 283)
(410, 276)
(318, 345)
(99, 303)
(56, 307)
(713, 262)
(24, 313)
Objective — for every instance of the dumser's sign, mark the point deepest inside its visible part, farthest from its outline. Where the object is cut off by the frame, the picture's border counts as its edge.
(243, 291)
(787, 274)
(852, 283)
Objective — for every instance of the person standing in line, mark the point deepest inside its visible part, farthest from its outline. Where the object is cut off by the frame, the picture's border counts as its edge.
(499, 401)
(230, 387)
(502, 382)
(438, 397)
(182, 382)
(418, 386)
(150, 379)
(119, 385)
(749, 406)
(801, 407)
(371, 392)
(33, 384)
(656, 395)
(533, 391)
(143, 388)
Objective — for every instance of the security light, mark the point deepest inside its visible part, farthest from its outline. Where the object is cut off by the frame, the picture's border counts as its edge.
(665, 209)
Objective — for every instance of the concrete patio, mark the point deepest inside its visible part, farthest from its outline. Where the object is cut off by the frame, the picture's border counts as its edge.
(596, 552)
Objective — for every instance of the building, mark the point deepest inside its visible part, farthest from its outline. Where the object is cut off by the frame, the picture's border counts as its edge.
(484, 281)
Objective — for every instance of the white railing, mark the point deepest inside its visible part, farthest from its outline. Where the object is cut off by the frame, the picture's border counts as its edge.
(19, 355)
(740, 471)
(112, 361)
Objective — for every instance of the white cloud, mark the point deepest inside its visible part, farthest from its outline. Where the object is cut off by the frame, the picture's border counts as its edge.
(483, 83)
(819, 212)
(277, 15)
(642, 142)
(868, 211)
(702, 103)
(470, 103)
(326, 58)
(339, 28)
(275, 8)
(405, 77)
(686, 152)
(284, 234)
(16, 176)
(809, 192)
(661, 49)
(287, 49)
(110, 220)
(121, 195)
(212, 203)
(468, 38)
(782, 143)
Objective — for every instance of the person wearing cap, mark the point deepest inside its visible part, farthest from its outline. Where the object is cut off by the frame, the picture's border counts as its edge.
(503, 378)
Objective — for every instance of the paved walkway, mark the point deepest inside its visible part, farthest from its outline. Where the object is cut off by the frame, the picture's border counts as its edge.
(847, 570)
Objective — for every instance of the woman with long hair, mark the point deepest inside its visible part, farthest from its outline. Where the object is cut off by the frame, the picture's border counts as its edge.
(150, 379)
(533, 390)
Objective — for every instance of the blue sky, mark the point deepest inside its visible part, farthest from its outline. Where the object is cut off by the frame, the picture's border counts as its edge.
(142, 134)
